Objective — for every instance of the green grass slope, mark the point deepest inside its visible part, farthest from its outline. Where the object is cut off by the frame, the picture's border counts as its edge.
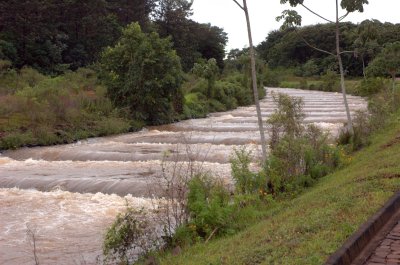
(307, 229)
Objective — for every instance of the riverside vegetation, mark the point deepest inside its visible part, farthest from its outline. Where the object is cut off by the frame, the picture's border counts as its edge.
(45, 110)
(288, 212)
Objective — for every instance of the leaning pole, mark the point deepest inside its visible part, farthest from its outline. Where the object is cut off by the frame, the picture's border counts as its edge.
(254, 81)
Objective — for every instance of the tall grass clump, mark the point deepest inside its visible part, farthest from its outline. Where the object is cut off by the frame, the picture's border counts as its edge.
(42, 110)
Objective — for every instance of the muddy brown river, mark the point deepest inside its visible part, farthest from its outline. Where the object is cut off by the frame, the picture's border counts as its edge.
(69, 194)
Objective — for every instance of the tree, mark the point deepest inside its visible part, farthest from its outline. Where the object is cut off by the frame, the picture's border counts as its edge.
(210, 41)
(172, 20)
(192, 40)
(207, 70)
(31, 27)
(143, 73)
(387, 62)
(128, 11)
(254, 80)
(292, 19)
(366, 43)
(58, 34)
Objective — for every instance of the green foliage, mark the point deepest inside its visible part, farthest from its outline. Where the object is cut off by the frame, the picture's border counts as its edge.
(286, 48)
(271, 78)
(307, 229)
(65, 35)
(246, 181)
(228, 92)
(15, 140)
(330, 81)
(371, 86)
(54, 41)
(195, 106)
(383, 103)
(381, 106)
(299, 154)
(209, 71)
(209, 206)
(40, 110)
(214, 212)
(310, 68)
(387, 62)
(286, 119)
(191, 40)
(239, 84)
(143, 73)
(130, 232)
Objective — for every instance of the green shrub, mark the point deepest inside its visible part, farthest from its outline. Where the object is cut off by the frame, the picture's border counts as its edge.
(209, 206)
(299, 154)
(195, 105)
(15, 140)
(303, 84)
(310, 68)
(289, 84)
(246, 181)
(330, 81)
(210, 211)
(215, 106)
(225, 92)
(371, 86)
(271, 78)
(129, 237)
(111, 125)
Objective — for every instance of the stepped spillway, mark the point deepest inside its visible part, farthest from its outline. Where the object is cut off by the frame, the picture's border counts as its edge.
(71, 193)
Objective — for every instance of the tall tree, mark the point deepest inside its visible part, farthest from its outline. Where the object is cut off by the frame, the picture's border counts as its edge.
(172, 19)
(52, 34)
(192, 41)
(293, 19)
(254, 80)
(128, 11)
(143, 73)
(209, 71)
(387, 62)
(366, 43)
(89, 28)
(31, 26)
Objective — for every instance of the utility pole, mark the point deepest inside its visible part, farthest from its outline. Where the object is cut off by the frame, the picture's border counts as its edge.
(254, 80)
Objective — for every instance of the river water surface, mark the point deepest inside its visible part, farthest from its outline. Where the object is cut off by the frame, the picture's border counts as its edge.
(69, 194)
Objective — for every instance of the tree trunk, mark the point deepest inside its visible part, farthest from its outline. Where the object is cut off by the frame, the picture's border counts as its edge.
(342, 84)
(394, 90)
(363, 62)
(393, 82)
(254, 81)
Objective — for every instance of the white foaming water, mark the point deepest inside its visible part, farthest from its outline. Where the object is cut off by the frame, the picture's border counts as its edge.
(69, 227)
(71, 208)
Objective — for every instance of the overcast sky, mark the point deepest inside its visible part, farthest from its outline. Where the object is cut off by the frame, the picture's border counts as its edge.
(227, 15)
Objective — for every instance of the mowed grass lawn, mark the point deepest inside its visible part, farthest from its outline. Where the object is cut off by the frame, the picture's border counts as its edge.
(307, 229)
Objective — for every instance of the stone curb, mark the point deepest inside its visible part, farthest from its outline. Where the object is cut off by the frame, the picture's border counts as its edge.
(353, 247)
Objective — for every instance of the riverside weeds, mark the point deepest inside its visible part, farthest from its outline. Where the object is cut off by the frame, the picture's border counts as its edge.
(308, 228)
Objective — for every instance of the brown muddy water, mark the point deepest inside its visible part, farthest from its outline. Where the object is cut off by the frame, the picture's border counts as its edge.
(69, 194)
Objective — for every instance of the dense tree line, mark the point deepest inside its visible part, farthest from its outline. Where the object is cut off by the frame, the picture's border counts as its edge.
(55, 35)
(291, 48)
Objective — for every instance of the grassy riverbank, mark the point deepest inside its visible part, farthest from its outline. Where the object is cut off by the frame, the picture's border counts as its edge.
(307, 229)
(40, 110)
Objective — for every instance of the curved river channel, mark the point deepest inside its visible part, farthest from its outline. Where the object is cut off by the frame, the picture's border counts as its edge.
(69, 194)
